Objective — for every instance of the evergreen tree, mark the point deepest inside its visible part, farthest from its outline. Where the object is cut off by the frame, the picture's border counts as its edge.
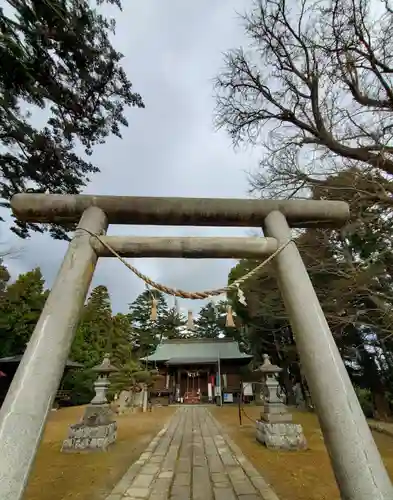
(4, 277)
(57, 56)
(92, 340)
(146, 332)
(20, 308)
(124, 379)
(170, 324)
(121, 346)
(212, 323)
(209, 324)
(94, 334)
(132, 373)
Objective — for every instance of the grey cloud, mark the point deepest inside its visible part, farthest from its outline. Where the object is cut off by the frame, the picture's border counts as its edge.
(173, 50)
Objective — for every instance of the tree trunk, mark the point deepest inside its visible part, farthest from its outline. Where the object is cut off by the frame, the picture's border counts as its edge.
(381, 406)
(306, 394)
(373, 378)
(291, 399)
(305, 390)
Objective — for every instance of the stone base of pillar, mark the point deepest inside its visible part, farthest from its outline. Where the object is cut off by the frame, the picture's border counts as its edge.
(281, 435)
(96, 431)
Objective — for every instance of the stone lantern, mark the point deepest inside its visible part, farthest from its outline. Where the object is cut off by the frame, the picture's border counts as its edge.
(97, 429)
(275, 428)
(101, 385)
(273, 404)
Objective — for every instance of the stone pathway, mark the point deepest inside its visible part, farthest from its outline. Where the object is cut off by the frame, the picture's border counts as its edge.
(192, 459)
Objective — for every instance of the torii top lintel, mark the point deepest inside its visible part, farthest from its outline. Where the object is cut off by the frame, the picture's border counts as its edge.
(56, 208)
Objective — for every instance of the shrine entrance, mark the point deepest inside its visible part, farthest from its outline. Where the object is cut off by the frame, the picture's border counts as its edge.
(355, 459)
(213, 369)
(190, 386)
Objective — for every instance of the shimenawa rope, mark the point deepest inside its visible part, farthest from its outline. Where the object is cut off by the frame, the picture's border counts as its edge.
(182, 293)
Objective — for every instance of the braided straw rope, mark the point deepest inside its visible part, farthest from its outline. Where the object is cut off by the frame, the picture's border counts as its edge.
(182, 293)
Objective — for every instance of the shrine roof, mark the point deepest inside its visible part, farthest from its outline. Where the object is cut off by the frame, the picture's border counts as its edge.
(183, 351)
(17, 359)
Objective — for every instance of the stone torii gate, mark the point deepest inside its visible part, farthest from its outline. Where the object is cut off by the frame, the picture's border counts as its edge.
(356, 462)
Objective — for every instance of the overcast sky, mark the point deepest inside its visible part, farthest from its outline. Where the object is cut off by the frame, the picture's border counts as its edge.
(173, 50)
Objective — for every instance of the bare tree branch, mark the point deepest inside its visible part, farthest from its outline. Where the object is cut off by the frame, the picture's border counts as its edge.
(314, 89)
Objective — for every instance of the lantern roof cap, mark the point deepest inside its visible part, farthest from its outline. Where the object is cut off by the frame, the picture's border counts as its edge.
(268, 367)
(105, 366)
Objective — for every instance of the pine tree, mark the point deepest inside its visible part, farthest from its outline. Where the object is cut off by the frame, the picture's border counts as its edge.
(20, 308)
(208, 324)
(57, 56)
(212, 322)
(170, 324)
(124, 379)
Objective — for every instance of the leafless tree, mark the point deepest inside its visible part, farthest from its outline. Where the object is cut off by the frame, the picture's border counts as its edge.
(314, 92)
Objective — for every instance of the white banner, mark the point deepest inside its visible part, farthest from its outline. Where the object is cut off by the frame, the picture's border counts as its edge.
(247, 389)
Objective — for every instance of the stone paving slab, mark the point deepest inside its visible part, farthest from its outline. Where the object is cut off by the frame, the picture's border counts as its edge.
(192, 459)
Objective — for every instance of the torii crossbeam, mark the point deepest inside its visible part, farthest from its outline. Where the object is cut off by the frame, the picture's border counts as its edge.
(356, 461)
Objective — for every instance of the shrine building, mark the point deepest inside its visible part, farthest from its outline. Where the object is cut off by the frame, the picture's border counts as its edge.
(199, 370)
(9, 365)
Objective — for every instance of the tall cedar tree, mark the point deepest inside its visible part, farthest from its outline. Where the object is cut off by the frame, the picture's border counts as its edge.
(207, 324)
(56, 56)
(147, 333)
(121, 347)
(211, 323)
(92, 340)
(122, 355)
(94, 334)
(171, 324)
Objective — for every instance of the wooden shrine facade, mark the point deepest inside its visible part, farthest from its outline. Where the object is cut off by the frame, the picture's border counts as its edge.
(198, 370)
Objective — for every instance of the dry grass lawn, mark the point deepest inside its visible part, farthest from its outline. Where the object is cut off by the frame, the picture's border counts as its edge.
(301, 475)
(90, 476)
